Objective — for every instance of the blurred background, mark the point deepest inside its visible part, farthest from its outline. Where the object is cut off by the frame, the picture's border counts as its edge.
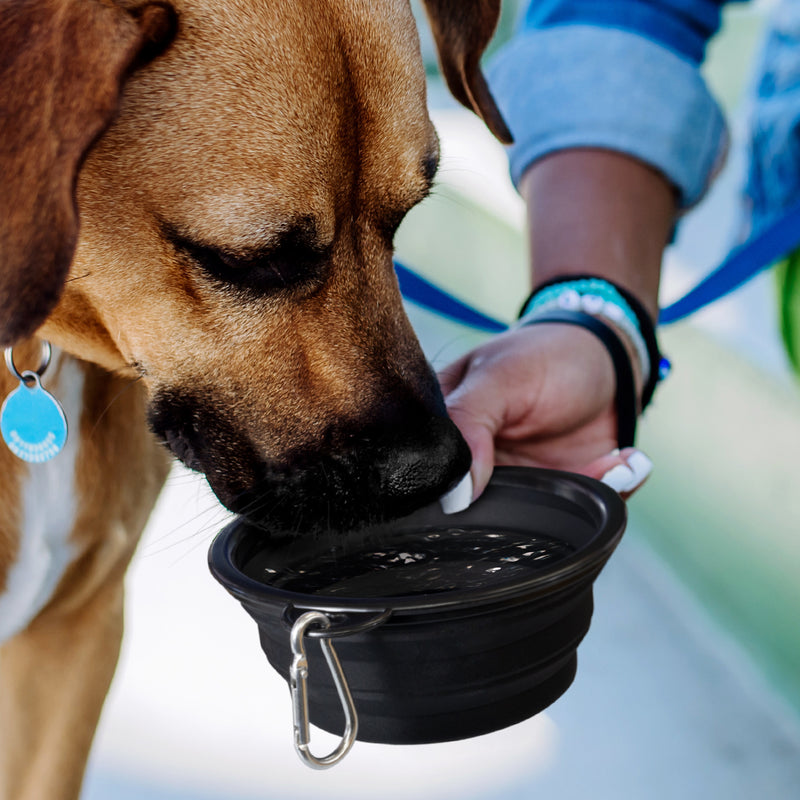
(689, 680)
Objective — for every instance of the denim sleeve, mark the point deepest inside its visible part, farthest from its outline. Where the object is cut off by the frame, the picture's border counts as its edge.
(773, 182)
(623, 76)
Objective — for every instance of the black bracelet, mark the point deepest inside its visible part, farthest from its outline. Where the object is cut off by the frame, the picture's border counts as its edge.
(625, 397)
(646, 327)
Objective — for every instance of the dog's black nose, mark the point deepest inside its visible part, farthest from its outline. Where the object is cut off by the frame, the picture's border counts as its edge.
(419, 465)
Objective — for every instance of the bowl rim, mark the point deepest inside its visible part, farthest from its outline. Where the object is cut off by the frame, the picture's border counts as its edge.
(592, 495)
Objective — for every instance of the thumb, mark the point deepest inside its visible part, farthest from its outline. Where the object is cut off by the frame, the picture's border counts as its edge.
(479, 433)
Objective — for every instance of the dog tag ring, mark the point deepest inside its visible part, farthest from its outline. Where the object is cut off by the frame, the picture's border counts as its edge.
(32, 421)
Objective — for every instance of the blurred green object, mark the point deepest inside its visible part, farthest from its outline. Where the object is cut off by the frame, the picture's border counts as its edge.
(787, 273)
(723, 506)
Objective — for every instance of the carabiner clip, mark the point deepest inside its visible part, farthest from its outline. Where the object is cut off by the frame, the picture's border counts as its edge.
(298, 680)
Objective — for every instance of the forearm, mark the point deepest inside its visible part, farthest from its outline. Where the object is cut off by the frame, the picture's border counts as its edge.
(599, 212)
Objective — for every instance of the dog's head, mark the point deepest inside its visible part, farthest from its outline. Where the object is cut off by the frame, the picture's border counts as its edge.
(238, 170)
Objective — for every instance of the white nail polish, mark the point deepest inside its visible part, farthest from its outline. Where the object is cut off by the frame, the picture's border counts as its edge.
(627, 477)
(620, 478)
(459, 497)
(641, 465)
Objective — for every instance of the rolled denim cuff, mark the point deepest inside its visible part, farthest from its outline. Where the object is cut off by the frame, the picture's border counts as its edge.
(585, 86)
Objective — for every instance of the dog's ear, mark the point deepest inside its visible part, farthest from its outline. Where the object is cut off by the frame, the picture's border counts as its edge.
(62, 67)
(462, 29)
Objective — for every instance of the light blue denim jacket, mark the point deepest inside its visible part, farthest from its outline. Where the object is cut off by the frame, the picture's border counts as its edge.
(620, 75)
(774, 171)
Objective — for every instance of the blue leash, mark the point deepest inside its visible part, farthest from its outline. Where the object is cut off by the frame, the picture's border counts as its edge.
(759, 252)
(425, 294)
(743, 263)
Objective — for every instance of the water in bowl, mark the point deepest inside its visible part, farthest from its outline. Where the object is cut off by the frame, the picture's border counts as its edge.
(415, 563)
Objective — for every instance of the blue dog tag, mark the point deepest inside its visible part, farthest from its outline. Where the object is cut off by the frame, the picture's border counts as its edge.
(32, 422)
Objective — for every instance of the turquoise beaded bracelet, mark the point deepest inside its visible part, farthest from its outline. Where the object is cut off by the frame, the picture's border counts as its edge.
(596, 297)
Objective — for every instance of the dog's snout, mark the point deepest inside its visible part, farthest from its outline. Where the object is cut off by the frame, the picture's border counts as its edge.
(401, 453)
(189, 430)
(366, 477)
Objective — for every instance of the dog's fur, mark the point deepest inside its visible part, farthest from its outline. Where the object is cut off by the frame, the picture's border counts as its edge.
(238, 170)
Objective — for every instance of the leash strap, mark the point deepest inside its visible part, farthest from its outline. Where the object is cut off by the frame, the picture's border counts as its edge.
(424, 293)
(744, 262)
(625, 398)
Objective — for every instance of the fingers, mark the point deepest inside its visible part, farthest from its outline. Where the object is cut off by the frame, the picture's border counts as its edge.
(479, 435)
(452, 375)
(624, 472)
(459, 497)
(523, 399)
(474, 406)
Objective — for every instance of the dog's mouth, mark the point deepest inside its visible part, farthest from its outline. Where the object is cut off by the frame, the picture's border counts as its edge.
(369, 483)
(348, 480)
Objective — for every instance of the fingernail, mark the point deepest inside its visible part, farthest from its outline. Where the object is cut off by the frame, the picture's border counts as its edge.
(641, 465)
(619, 478)
(626, 477)
(459, 497)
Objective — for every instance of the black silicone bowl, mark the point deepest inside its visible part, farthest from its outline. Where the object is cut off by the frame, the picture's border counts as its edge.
(446, 626)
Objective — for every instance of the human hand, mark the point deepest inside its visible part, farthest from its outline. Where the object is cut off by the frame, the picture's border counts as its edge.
(541, 396)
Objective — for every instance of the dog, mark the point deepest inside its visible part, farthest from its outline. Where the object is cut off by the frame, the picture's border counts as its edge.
(198, 206)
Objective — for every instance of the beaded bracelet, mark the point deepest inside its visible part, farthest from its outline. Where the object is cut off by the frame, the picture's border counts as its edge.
(572, 290)
(631, 318)
(599, 299)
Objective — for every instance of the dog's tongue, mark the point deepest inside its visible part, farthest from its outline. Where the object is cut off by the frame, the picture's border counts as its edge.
(459, 497)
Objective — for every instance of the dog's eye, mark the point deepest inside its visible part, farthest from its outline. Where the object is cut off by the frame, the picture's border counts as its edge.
(391, 220)
(291, 264)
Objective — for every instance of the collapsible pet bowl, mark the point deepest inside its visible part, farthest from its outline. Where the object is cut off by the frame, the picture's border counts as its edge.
(445, 626)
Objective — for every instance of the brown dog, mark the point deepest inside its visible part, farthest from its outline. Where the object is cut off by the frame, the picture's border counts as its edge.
(238, 170)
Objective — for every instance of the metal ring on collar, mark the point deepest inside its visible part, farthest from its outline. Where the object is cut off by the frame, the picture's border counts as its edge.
(27, 375)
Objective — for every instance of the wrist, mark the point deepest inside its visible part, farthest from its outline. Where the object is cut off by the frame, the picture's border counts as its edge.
(588, 206)
(619, 320)
(626, 395)
(598, 298)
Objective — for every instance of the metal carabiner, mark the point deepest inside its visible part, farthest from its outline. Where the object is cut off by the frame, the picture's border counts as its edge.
(298, 680)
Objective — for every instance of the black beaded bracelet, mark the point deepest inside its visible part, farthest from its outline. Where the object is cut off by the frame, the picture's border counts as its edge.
(646, 326)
